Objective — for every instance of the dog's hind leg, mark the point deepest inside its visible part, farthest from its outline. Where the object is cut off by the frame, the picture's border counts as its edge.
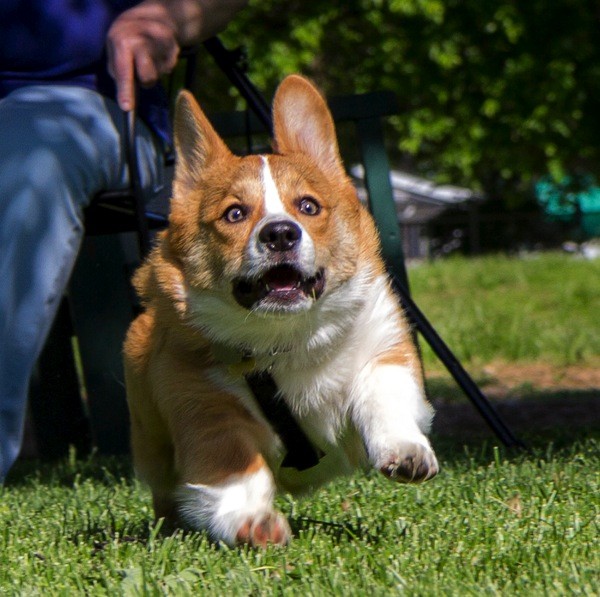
(152, 453)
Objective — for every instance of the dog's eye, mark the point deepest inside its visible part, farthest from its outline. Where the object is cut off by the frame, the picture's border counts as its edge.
(235, 213)
(309, 206)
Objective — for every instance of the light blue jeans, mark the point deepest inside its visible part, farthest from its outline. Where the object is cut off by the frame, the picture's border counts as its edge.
(59, 146)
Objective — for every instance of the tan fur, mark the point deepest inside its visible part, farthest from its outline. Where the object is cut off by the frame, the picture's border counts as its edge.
(192, 419)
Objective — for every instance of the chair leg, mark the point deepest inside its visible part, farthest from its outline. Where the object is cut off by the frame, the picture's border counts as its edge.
(454, 367)
(57, 410)
(102, 305)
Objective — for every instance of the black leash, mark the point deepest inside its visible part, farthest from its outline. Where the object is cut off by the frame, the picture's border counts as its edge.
(233, 63)
(136, 185)
(301, 454)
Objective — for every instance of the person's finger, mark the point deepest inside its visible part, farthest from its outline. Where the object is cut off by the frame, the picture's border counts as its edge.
(121, 67)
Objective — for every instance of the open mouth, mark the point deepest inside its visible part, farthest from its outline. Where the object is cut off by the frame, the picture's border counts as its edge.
(282, 286)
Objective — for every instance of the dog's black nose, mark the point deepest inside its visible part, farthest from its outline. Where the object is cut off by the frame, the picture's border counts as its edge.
(280, 236)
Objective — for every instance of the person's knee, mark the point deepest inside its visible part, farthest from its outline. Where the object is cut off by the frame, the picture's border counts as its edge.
(60, 137)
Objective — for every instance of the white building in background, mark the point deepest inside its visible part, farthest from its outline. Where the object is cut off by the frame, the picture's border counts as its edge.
(418, 202)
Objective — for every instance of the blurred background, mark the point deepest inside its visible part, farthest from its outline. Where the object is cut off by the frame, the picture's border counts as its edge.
(499, 106)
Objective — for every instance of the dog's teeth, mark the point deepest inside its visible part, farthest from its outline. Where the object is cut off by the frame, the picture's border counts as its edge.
(268, 287)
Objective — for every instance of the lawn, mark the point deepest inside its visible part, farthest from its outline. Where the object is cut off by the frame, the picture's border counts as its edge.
(493, 522)
(541, 307)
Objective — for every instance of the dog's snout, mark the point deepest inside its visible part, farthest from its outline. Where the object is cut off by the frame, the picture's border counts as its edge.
(280, 236)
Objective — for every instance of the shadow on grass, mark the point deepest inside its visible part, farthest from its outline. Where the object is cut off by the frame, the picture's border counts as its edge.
(337, 531)
(145, 532)
(65, 472)
(537, 417)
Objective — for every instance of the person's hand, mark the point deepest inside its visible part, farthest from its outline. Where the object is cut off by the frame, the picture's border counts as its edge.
(141, 46)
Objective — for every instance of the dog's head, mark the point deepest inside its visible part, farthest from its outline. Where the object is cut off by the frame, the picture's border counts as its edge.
(271, 234)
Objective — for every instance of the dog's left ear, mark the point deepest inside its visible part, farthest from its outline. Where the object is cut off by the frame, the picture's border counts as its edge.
(303, 124)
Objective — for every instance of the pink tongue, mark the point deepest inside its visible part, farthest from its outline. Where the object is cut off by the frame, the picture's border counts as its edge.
(281, 279)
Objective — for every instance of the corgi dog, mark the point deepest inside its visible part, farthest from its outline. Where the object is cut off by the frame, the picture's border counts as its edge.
(271, 267)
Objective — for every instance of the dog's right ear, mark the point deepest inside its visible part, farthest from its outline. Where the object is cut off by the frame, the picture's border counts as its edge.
(197, 143)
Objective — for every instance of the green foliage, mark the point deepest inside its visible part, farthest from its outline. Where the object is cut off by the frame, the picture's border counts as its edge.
(493, 94)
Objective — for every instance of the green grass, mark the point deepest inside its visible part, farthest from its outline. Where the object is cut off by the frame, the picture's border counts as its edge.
(490, 308)
(492, 523)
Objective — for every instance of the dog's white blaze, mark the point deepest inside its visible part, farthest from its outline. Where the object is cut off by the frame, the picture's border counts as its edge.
(222, 509)
(273, 203)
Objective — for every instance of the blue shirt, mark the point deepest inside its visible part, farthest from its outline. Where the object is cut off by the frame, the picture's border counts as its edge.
(62, 42)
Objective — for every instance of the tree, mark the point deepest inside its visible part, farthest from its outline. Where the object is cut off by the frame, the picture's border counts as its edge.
(493, 94)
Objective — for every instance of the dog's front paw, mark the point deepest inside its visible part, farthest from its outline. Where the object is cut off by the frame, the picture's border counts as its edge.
(412, 463)
(261, 530)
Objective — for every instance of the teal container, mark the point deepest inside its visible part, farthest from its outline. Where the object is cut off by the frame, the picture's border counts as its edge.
(572, 202)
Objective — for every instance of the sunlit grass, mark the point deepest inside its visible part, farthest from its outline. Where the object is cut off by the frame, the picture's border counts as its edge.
(543, 307)
(490, 523)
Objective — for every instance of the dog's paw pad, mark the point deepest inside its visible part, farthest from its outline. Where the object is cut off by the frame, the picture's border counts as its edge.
(265, 529)
(413, 465)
